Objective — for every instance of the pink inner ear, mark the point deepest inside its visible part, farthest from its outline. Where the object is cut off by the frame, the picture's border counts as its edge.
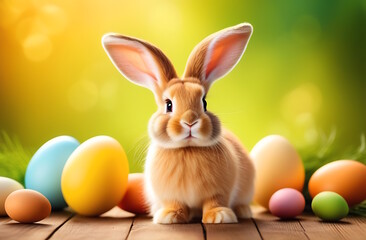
(225, 53)
(134, 57)
(215, 58)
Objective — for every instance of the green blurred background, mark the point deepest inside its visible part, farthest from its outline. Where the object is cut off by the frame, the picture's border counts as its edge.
(303, 73)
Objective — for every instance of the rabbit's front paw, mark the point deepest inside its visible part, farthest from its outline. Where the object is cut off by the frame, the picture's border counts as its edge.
(169, 216)
(219, 215)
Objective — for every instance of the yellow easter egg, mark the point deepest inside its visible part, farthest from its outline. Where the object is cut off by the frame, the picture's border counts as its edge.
(278, 165)
(95, 176)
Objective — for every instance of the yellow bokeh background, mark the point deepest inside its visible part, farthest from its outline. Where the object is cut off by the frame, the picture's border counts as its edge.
(303, 70)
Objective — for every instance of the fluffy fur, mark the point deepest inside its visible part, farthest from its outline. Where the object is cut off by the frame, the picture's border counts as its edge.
(193, 165)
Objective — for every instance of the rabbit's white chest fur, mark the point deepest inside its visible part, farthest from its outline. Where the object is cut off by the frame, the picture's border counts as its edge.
(191, 175)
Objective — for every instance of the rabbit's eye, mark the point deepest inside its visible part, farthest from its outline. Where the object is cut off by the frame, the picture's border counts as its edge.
(169, 105)
(204, 104)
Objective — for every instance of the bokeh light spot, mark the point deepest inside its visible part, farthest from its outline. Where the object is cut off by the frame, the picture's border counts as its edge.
(37, 47)
(26, 27)
(311, 135)
(11, 10)
(83, 95)
(108, 95)
(306, 98)
(305, 119)
(169, 22)
(53, 18)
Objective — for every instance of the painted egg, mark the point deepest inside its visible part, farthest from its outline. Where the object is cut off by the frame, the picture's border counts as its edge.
(7, 186)
(345, 177)
(45, 168)
(329, 206)
(95, 176)
(278, 166)
(134, 199)
(27, 206)
(287, 203)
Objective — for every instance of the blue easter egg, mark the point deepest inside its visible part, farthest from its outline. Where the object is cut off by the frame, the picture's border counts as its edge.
(45, 169)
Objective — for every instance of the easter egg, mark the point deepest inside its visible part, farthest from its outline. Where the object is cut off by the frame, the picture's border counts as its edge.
(278, 166)
(27, 206)
(94, 178)
(134, 199)
(45, 168)
(345, 177)
(7, 186)
(287, 203)
(329, 206)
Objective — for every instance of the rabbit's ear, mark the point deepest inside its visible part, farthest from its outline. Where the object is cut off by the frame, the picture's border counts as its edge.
(218, 54)
(139, 61)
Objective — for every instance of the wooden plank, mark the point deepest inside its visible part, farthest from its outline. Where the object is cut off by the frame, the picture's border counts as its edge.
(284, 235)
(361, 221)
(118, 224)
(4, 219)
(268, 222)
(114, 224)
(245, 229)
(271, 227)
(40, 230)
(347, 228)
(143, 228)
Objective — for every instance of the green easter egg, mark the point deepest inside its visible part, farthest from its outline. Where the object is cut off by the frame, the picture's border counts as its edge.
(329, 206)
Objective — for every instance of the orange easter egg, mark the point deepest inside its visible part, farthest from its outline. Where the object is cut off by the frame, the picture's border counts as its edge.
(27, 206)
(345, 177)
(134, 199)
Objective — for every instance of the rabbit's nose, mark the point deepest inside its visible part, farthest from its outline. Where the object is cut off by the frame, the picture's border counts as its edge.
(190, 125)
(189, 118)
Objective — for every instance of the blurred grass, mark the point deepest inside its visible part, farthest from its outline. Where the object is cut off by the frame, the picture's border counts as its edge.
(326, 151)
(14, 159)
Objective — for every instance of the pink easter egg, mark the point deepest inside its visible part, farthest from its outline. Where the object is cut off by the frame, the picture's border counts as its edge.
(287, 203)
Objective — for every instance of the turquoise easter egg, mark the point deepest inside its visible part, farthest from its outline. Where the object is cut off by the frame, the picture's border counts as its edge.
(45, 169)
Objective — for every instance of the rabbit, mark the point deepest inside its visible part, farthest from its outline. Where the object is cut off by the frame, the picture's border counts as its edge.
(194, 167)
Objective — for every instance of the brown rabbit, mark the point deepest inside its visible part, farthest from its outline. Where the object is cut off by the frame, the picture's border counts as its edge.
(193, 164)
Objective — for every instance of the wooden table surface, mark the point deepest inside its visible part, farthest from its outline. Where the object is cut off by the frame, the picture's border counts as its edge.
(117, 224)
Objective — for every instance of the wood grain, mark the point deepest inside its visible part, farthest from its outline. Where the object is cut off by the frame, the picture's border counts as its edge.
(143, 228)
(361, 221)
(114, 224)
(347, 228)
(40, 230)
(271, 227)
(117, 224)
(245, 229)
